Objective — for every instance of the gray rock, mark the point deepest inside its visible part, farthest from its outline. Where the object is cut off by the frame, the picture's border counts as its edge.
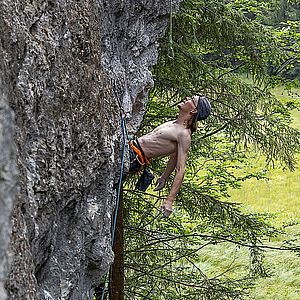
(131, 30)
(8, 179)
(67, 67)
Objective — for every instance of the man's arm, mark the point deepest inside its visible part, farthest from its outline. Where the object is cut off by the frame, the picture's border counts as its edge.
(184, 142)
(169, 169)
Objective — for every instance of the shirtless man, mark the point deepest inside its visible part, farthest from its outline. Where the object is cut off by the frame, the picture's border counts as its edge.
(173, 138)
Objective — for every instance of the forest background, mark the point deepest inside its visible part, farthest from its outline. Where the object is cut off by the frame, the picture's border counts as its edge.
(235, 230)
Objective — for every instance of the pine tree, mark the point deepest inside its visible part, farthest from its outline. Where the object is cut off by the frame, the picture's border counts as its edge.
(208, 49)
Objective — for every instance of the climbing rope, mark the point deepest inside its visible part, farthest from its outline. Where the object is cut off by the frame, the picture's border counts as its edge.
(125, 136)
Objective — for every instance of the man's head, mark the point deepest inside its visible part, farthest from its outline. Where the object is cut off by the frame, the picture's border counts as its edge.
(203, 108)
(198, 107)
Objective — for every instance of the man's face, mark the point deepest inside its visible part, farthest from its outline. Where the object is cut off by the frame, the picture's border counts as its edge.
(189, 104)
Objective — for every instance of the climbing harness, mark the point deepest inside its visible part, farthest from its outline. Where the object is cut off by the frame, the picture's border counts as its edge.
(139, 162)
(140, 156)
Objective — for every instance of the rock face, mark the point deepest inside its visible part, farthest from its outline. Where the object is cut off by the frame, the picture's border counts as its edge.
(8, 177)
(131, 31)
(66, 67)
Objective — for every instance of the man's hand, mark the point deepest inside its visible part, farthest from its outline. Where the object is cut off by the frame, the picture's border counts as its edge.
(166, 208)
(160, 183)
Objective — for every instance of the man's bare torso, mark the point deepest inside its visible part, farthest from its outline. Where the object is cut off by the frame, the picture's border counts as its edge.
(174, 139)
(163, 140)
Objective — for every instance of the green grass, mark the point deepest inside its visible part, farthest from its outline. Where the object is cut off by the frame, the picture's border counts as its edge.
(280, 195)
(284, 270)
(285, 280)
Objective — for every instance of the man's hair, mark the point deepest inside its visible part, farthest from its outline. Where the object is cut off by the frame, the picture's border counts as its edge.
(203, 111)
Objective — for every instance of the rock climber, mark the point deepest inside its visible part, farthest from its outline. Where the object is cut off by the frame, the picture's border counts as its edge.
(171, 139)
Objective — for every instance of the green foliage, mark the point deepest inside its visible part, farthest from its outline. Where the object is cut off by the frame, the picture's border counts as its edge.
(211, 43)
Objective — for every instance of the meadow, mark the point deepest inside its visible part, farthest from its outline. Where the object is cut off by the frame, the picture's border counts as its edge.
(279, 196)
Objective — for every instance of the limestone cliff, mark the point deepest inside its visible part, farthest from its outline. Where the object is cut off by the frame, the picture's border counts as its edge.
(66, 67)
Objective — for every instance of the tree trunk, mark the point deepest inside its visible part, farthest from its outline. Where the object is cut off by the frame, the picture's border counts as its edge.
(116, 282)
